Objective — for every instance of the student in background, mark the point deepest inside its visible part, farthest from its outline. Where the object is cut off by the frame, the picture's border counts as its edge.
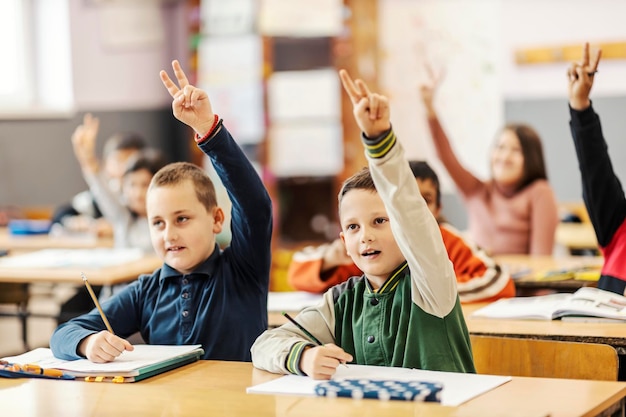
(515, 211)
(83, 214)
(602, 191)
(404, 310)
(479, 277)
(201, 294)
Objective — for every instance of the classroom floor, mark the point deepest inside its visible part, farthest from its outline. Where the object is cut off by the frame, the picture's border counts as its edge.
(44, 299)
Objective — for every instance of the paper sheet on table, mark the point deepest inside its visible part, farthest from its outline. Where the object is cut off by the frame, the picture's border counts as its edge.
(291, 300)
(63, 258)
(457, 387)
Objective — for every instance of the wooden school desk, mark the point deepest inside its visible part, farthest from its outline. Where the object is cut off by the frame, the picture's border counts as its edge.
(218, 388)
(106, 275)
(34, 242)
(527, 267)
(576, 236)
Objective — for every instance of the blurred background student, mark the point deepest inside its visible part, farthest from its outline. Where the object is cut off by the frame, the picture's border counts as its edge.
(479, 277)
(513, 212)
(120, 198)
(82, 214)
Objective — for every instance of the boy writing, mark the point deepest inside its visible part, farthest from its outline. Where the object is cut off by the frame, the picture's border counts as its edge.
(479, 277)
(201, 294)
(404, 311)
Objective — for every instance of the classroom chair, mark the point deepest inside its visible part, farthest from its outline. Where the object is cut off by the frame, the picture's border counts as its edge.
(16, 294)
(544, 358)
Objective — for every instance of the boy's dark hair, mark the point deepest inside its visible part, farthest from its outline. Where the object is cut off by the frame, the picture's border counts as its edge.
(149, 159)
(362, 180)
(124, 141)
(422, 171)
(178, 172)
(532, 151)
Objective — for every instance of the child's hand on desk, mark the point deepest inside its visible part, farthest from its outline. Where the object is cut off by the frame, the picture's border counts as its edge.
(103, 347)
(320, 362)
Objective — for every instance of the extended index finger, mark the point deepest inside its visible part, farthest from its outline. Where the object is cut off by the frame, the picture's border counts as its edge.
(180, 74)
(349, 86)
(596, 61)
(168, 83)
(585, 54)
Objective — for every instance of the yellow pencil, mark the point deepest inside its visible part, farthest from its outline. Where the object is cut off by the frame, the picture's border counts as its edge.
(95, 300)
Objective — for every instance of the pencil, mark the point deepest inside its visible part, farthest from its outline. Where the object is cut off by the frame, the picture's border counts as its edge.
(95, 300)
(306, 332)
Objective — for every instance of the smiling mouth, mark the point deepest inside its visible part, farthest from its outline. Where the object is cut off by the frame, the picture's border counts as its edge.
(370, 253)
(175, 248)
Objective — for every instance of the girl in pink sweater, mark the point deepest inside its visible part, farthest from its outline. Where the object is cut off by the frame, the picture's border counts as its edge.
(515, 211)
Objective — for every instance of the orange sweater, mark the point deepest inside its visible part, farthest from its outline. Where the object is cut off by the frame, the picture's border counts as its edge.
(479, 278)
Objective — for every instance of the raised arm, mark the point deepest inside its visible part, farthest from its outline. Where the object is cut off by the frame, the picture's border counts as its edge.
(414, 228)
(465, 181)
(251, 221)
(602, 191)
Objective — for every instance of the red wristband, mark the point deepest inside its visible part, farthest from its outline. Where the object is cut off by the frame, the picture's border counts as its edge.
(216, 120)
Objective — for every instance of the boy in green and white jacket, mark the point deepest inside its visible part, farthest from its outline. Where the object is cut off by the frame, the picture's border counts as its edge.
(405, 310)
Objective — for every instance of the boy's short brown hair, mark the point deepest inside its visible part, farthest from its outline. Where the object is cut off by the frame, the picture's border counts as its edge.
(178, 172)
(362, 180)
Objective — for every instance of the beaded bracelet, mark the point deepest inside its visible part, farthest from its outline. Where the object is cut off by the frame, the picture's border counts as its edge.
(216, 123)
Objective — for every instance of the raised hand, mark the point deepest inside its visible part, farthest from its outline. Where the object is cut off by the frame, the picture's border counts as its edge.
(580, 77)
(191, 105)
(427, 90)
(371, 110)
(335, 255)
(84, 143)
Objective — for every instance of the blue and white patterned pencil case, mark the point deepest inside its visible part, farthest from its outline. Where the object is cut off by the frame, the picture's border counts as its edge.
(381, 389)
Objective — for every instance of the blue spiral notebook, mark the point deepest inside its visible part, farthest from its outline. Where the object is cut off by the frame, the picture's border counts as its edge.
(141, 363)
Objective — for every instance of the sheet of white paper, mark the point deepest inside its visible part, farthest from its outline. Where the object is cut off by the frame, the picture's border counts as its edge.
(291, 300)
(62, 258)
(306, 149)
(457, 387)
(298, 95)
(219, 17)
(301, 17)
(142, 355)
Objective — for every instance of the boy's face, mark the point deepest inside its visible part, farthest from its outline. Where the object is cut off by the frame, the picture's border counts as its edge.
(367, 235)
(115, 166)
(134, 188)
(182, 230)
(429, 192)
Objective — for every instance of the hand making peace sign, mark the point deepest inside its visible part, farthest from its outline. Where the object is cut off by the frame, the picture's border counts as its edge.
(580, 76)
(191, 105)
(371, 110)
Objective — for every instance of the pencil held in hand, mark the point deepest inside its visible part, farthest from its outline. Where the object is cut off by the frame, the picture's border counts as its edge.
(95, 300)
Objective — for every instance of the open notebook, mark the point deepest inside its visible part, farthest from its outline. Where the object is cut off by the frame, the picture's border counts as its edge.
(587, 302)
(143, 362)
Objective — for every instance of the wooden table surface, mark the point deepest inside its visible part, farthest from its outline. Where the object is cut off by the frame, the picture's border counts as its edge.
(219, 389)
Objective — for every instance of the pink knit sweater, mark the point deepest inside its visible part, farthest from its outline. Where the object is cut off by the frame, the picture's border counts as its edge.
(501, 221)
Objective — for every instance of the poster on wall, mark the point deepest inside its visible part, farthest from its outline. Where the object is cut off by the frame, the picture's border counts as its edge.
(458, 41)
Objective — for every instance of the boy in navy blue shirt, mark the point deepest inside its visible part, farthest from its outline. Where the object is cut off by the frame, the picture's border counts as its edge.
(201, 294)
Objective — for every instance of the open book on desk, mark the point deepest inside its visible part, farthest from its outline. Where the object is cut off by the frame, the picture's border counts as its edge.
(131, 366)
(587, 302)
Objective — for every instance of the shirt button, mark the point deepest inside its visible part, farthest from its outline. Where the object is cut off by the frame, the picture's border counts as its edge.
(185, 281)
(185, 295)
(374, 301)
(186, 313)
(370, 339)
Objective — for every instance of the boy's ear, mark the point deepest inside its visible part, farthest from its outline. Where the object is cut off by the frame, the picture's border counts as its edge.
(218, 219)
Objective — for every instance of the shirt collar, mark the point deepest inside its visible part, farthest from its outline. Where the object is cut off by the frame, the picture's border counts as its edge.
(205, 268)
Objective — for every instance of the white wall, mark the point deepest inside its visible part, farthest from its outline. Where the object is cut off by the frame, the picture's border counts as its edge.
(124, 76)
